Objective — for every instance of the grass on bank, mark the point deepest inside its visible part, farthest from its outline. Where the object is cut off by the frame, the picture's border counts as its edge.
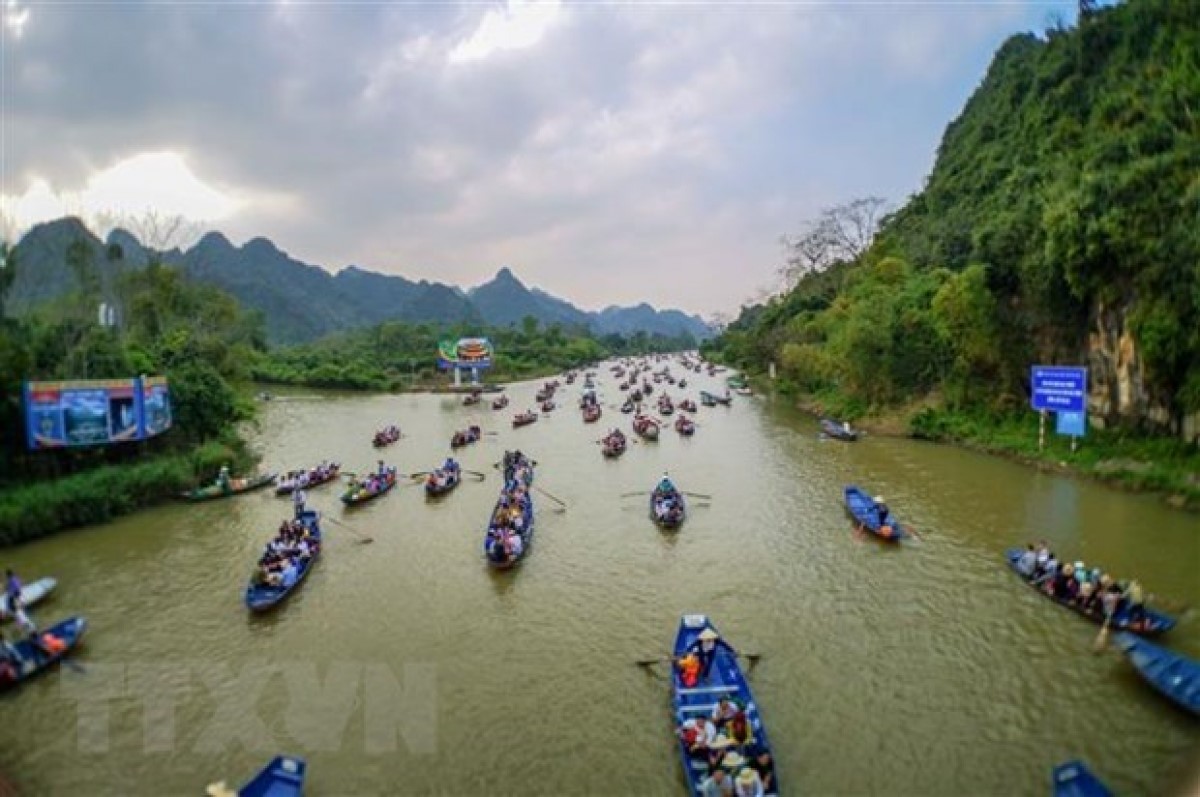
(101, 494)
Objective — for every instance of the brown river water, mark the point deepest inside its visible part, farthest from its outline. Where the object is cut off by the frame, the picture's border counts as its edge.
(406, 666)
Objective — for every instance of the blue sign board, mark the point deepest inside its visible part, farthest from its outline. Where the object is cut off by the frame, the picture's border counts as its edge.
(1070, 423)
(1059, 388)
(96, 412)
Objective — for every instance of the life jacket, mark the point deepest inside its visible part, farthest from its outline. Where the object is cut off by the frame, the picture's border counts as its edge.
(689, 670)
(52, 643)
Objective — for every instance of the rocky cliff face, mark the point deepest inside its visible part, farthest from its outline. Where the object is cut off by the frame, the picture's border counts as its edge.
(1117, 390)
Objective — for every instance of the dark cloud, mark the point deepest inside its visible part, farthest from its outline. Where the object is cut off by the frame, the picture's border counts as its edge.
(633, 152)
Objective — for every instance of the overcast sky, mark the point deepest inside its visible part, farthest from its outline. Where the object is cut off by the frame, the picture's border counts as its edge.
(607, 153)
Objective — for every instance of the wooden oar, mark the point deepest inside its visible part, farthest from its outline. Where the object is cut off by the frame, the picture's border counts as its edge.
(419, 474)
(1170, 607)
(751, 657)
(697, 495)
(362, 540)
(73, 666)
(551, 497)
(481, 476)
(1102, 638)
(631, 495)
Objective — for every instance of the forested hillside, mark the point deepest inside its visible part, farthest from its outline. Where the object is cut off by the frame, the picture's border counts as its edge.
(1060, 224)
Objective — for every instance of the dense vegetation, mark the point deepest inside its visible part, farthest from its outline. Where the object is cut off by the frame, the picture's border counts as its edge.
(1064, 200)
(195, 335)
(392, 356)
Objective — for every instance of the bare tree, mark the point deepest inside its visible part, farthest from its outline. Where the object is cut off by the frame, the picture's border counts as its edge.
(841, 233)
(159, 232)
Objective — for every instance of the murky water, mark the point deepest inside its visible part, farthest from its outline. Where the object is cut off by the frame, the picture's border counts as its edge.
(406, 666)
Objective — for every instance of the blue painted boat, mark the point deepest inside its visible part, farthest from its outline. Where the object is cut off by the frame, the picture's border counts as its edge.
(1154, 624)
(283, 777)
(360, 494)
(673, 518)
(34, 660)
(724, 680)
(838, 431)
(517, 468)
(862, 507)
(260, 597)
(1074, 779)
(1176, 676)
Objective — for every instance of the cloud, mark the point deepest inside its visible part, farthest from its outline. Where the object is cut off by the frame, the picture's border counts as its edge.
(520, 24)
(609, 153)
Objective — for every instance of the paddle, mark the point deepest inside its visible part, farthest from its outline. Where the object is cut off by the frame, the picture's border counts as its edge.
(551, 497)
(418, 474)
(481, 476)
(750, 657)
(1102, 638)
(697, 495)
(631, 495)
(362, 540)
(1170, 607)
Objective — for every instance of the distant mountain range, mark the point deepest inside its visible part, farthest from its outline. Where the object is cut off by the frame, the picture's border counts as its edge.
(303, 302)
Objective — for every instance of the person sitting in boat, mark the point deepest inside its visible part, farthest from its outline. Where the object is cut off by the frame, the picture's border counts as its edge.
(1027, 564)
(760, 762)
(881, 511)
(748, 784)
(689, 669)
(698, 734)
(1133, 604)
(1065, 585)
(665, 487)
(1048, 573)
(718, 784)
(223, 479)
(705, 647)
(724, 710)
(1089, 600)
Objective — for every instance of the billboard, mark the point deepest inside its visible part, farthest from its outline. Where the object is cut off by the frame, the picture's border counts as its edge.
(95, 412)
(465, 353)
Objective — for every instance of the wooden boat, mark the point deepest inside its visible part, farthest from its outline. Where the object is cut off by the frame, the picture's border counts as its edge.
(547, 406)
(665, 407)
(614, 444)
(385, 437)
(516, 468)
(724, 680)
(542, 396)
(838, 431)
(260, 597)
(687, 405)
(682, 383)
(646, 427)
(524, 419)
(743, 391)
(283, 777)
(1074, 779)
(358, 493)
(1155, 622)
(707, 397)
(466, 437)
(500, 403)
(1172, 674)
(286, 486)
(685, 426)
(471, 399)
(674, 515)
(591, 413)
(35, 661)
(435, 488)
(862, 508)
(236, 487)
(31, 593)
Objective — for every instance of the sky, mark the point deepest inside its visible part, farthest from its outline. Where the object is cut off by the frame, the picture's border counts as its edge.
(609, 153)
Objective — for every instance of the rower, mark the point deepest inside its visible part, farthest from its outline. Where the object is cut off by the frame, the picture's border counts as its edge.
(881, 510)
(298, 499)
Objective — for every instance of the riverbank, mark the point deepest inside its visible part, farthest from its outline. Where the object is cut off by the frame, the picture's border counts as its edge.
(1118, 458)
(93, 496)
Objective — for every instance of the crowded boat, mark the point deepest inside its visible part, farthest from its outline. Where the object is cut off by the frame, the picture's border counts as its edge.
(465, 437)
(667, 507)
(444, 479)
(386, 436)
(304, 479)
(613, 444)
(511, 526)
